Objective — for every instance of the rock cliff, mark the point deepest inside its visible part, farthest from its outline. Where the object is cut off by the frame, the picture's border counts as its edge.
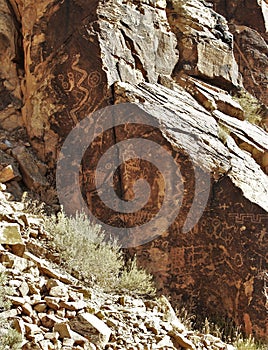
(166, 73)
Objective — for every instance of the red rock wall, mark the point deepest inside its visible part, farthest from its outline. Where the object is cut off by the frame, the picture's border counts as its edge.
(81, 56)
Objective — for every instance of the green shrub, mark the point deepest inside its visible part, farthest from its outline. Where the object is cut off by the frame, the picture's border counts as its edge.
(223, 133)
(249, 344)
(186, 313)
(4, 304)
(86, 253)
(253, 109)
(32, 206)
(136, 279)
(10, 339)
(226, 330)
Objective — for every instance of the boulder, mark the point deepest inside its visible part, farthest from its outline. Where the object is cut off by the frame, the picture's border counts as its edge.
(92, 328)
(7, 174)
(32, 176)
(10, 234)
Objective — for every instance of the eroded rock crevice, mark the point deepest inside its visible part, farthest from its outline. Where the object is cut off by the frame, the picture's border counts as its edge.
(11, 70)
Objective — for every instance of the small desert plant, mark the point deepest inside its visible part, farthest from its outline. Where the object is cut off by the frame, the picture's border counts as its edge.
(248, 344)
(4, 304)
(226, 330)
(223, 133)
(85, 252)
(252, 107)
(136, 279)
(185, 311)
(32, 206)
(223, 328)
(10, 339)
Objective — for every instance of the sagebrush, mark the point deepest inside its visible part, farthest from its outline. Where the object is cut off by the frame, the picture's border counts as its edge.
(10, 339)
(254, 111)
(87, 253)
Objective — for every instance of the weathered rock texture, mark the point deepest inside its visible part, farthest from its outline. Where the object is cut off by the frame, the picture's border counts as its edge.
(172, 61)
(249, 25)
(10, 91)
(204, 42)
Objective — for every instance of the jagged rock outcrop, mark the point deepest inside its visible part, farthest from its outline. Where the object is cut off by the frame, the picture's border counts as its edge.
(19, 168)
(204, 42)
(10, 90)
(249, 25)
(172, 61)
(252, 14)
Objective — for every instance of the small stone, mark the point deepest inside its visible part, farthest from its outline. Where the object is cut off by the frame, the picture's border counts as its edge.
(15, 283)
(75, 296)
(32, 328)
(59, 291)
(19, 325)
(54, 274)
(35, 298)
(29, 169)
(53, 302)
(112, 323)
(70, 314)
(68, 343)
(61, 313)
(151, 326)
(181, 340)
(63, 329)
(45, 344)
(49, 321)
(24, 289)
(3, 187)
(7, 174)
(27, 309)
(33, 233)
(52, 282)
(26, 319)
(10, 234)
(73, 305)
(52, 336)
(16, 300)
(92, 328)
(36, 338)
(9, 314)
(164, 343)
(100, 314)
(40, 307)
(78, 339)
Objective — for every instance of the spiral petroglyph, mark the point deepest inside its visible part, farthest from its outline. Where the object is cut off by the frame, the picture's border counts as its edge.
(144, 152)
(94, 79)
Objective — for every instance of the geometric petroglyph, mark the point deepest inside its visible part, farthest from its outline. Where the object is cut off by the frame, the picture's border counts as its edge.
(241, 218)
(187, 256)
(80, 84)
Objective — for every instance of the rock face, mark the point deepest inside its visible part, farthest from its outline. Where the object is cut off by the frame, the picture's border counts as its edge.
(177, 63)
(204, 42)
(249, 25)
(10, 91)
(252, 14)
